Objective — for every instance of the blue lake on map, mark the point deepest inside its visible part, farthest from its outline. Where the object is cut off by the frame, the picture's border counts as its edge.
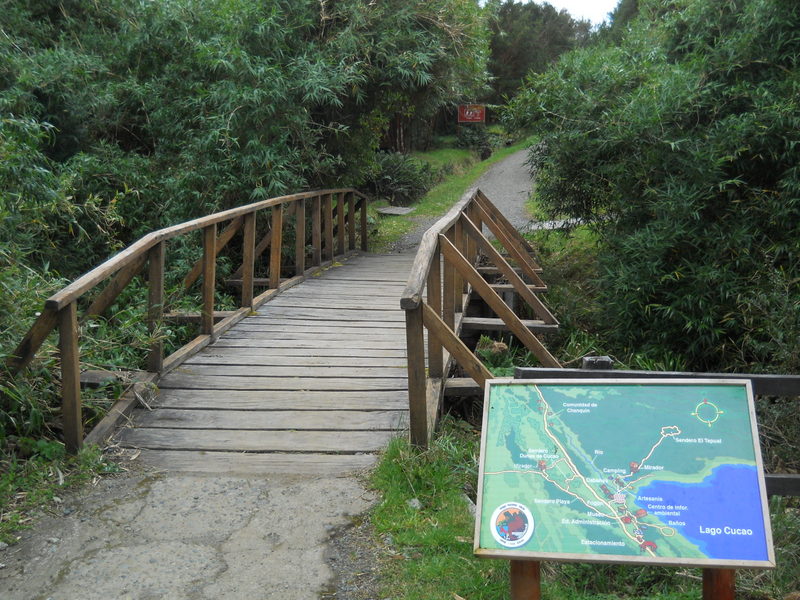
(729, 497)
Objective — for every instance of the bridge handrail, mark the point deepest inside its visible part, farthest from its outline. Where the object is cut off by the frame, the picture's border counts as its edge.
(445, 267)
(333, 215)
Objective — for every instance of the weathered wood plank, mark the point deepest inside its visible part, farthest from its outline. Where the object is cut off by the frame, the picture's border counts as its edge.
(209, 370)
(256, 441)
(234, 463)
(332, 420)
(197, 268)
(332, 384)
(280, 360)
(225, 342)
(341, 304)
(70, 377)
(313, 335)
(331, 315)
(489, 324)
(294, 352)
(209, 277)
(285, 400)
(284, 329)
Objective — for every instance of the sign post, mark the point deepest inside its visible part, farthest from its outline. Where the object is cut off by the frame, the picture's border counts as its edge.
(656, 472)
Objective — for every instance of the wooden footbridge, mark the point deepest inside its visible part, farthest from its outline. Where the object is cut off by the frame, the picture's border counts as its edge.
(320, 365)
(332, 350)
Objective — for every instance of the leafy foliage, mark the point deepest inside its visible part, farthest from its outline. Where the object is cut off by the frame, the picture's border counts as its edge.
(400, 178)
(527, 37)
(677, 146)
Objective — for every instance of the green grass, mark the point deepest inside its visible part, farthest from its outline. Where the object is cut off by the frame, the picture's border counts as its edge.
(442, 196)
(31, 487)
(457, 159)
(439, 200)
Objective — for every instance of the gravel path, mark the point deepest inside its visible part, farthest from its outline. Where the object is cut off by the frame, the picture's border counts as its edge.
(146, 535)
(507, 184)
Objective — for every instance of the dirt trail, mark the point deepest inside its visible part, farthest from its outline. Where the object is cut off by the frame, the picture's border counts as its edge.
(147, 535)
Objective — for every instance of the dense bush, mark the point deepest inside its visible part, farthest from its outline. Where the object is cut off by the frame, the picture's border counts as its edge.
(400, 178)
(679, 145)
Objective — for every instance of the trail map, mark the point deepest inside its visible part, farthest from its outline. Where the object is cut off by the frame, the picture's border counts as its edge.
(662, 473)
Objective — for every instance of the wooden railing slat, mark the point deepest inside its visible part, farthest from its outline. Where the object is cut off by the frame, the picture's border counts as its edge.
(248, 260)
(110, 293)
(496, 303)
(509, 273)
(457, 349)
(209, 277)
(70, 377)
(522, 259)
(277, 247)
(222, 241)
(155, 304)
(33, 340)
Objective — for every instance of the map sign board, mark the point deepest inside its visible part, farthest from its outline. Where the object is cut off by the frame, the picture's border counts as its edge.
(651, 471)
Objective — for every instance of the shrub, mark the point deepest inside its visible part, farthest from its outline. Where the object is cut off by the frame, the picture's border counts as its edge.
(400, 178)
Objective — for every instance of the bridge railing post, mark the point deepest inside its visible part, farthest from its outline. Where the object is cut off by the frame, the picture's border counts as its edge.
(417, 383)
(327, 223)
(351, 221)
(300, 237)
(248, 259)
(316, 231)
(276, 247)
(155, 304)
(340, 225)
(70, 377)
(209, 278)
(364, 226)
(434, 300)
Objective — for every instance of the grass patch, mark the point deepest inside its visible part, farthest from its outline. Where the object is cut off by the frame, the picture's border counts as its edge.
(440, 198)
(448, 161)
(31, 487)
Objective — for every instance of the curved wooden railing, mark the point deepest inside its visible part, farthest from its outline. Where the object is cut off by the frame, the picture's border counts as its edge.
(434, 299)
(333, 232)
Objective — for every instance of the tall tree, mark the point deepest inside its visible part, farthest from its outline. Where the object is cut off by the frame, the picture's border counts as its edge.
(528, 37)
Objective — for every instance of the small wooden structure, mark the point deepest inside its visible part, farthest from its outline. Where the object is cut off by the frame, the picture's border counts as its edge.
(334, 231)
(444, 275)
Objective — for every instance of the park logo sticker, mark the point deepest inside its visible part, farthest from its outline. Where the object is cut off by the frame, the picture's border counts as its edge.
(512, 524)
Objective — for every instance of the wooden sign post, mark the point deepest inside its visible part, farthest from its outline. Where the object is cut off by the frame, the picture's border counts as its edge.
(650, 472)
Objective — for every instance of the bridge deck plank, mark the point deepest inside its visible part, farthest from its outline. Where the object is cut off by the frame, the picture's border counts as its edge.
(315, 381)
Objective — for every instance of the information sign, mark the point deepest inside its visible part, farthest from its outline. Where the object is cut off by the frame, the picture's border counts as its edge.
(651, 471)
(471, 113)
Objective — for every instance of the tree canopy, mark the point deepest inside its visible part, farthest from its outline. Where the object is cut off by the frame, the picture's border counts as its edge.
(679, 145)
(123, 115)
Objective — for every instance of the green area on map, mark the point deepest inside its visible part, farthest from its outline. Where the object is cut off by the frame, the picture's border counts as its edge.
(645, 470)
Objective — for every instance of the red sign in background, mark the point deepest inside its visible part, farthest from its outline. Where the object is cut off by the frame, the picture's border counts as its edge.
(471, 113)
